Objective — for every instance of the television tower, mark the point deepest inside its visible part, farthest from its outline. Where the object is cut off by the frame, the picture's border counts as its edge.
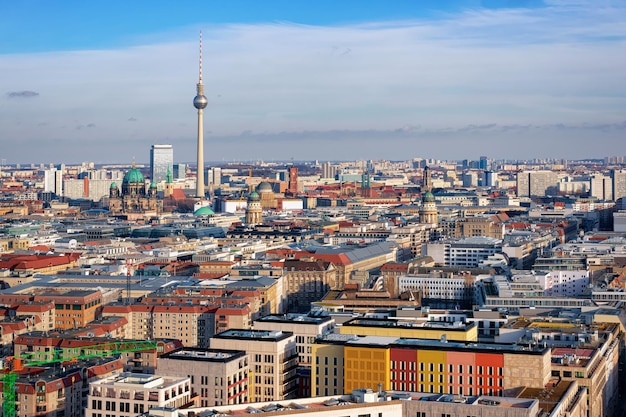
(200, 102)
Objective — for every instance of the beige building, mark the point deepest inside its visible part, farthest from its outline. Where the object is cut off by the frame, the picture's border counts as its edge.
(307, 280)
(306, 328)
(478, 226)
(127, 394)
(219, 377)
(193, 325)
(273, 361)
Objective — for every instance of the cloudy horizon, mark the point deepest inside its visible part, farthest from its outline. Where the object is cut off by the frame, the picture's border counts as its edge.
(511, 83)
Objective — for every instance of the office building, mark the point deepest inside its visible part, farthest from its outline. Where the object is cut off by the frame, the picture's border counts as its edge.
(161, 159)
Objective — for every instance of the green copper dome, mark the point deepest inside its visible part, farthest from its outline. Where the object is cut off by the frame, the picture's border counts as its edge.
(254, 196)
(428, 197)
(153, 184)
(133, 176)
(113, 184)
(204, 211)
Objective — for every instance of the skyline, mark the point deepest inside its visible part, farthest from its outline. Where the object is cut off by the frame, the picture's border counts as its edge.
(323, 81)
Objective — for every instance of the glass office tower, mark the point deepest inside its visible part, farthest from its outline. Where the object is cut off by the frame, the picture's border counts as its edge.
(161, 158)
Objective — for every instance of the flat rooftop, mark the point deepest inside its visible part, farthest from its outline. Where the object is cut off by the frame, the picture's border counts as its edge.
(310, 318)
(260, 335)
(204, 355)
(433, 325)
(548, 397)
(321, 404)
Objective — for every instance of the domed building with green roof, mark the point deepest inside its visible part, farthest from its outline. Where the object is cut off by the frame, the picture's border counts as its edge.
(204, 211)
(134, 200)
(254, 210)
(428, 210)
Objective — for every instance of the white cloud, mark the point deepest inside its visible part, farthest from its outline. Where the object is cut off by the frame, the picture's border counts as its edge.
(561, 64)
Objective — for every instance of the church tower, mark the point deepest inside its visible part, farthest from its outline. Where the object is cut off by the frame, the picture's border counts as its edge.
(254, 211)
(428, 210)
(168, 189)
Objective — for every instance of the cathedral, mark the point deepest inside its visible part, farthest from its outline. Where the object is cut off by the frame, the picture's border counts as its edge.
(134, 201)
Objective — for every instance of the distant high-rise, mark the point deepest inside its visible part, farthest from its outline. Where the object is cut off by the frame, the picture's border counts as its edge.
(619, 183)
(179, 171)
(490, 179)
(601, 187)
(161, 159)
(200, 102)
(53, 181)
(535, 183)
(328, 170)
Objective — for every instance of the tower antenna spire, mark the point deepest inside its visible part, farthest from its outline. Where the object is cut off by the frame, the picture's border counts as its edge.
(200, 58)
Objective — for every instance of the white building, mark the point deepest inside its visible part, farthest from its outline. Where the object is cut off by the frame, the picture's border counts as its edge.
(128, 394)
(565, 283)
(466, 252)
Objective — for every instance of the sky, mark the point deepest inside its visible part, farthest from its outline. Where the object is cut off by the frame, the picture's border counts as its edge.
(303, 80)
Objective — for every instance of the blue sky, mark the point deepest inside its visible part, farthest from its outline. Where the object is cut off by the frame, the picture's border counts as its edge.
(101, 81)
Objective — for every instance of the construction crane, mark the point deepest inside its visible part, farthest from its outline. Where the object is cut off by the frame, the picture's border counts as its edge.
(14, 364)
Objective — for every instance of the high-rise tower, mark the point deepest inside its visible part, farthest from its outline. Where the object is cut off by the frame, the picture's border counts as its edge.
(200, 102)
(161, 160)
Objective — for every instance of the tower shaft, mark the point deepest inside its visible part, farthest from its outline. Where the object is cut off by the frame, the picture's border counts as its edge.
(200, 176)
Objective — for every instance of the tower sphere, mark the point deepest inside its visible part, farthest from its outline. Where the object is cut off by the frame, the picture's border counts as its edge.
(200, 102)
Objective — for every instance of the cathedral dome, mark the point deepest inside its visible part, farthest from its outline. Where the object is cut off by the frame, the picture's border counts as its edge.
(428, 197)
(254, 196)
(264, 187)
(133, 176)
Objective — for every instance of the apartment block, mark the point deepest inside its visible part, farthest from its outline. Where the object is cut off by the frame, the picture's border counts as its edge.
(219, 377)
(273, 360)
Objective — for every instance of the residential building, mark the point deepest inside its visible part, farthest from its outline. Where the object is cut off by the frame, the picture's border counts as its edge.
(128, 394)
(218, 376)
(273, 360)
(53, 390)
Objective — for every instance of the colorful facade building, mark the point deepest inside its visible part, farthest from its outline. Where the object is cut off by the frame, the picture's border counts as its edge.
(443, 367)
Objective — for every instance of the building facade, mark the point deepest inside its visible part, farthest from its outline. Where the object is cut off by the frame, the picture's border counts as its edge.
(273, 361)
